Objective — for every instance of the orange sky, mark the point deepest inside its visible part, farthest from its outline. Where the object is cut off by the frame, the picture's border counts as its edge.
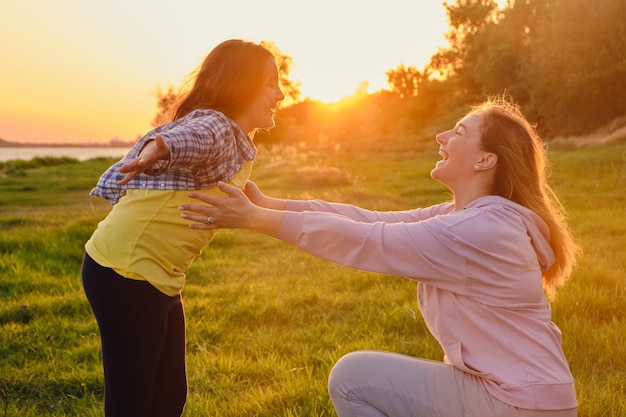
(88, 70)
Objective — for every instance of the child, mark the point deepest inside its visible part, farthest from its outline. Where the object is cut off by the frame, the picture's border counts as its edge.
(135, 262)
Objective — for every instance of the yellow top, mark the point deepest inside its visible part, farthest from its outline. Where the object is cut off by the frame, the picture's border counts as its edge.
(144, 237)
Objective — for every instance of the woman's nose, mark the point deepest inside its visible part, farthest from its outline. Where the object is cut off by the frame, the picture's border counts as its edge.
(441, 137)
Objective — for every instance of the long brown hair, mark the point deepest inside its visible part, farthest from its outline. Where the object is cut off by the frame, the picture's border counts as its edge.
(521, 177)
(229, 78)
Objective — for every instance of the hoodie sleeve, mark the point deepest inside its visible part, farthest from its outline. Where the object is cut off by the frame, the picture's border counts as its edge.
(368, 216)
(412, 250)
(469, 250)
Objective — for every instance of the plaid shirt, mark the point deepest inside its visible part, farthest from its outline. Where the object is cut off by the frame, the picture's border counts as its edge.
(205, 147)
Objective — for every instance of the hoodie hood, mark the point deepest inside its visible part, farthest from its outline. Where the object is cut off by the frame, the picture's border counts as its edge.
(536, 227)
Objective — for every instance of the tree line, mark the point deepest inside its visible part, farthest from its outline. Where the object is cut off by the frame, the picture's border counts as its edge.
(563, 61)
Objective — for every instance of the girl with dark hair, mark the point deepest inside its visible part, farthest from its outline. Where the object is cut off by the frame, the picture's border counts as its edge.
(135, 262)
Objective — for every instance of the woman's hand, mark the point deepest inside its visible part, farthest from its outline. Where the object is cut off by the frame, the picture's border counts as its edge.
(254, 194)
(257, 198)
(153, 151)
(233, 211)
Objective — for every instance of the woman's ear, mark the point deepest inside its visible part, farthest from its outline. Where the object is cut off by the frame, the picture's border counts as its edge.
(488, 161)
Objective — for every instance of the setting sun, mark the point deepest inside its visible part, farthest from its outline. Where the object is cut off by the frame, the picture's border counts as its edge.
(89, 71)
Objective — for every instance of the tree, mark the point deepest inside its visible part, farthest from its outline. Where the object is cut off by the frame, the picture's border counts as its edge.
(467, 18)
(501, 51)
(165, 101)
(576, 65)
(453, 66)
(404, 81)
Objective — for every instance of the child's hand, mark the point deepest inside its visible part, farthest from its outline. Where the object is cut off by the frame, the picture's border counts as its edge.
(153, 151)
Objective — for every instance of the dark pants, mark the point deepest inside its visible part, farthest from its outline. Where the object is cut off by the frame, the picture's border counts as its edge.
(143, 344)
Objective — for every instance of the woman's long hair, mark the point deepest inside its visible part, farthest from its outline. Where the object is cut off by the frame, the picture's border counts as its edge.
(521, 177)
(229, 79)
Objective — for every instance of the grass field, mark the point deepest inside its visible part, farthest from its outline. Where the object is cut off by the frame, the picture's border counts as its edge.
(265, 321)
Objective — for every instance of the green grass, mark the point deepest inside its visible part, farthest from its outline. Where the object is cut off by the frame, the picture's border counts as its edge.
(267, 322)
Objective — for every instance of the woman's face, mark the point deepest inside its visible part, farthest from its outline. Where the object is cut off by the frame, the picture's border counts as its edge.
(460, 149)
(260, 113)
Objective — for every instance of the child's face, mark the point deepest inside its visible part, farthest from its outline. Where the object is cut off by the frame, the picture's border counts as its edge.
(260, 114)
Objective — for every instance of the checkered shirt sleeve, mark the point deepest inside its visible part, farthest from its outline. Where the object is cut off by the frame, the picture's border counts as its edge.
(205, 147)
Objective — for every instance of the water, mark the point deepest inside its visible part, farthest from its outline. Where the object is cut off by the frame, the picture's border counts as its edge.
(80, 153)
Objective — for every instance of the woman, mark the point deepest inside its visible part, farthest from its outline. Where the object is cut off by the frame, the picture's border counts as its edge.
(480, 262)
(135, 262)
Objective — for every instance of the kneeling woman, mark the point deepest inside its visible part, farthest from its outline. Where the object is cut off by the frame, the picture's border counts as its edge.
(486, 264)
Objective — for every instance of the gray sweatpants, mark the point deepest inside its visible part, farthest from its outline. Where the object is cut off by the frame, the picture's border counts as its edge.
(384, 384)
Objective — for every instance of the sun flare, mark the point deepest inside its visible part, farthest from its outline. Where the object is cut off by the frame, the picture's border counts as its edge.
(90, 69)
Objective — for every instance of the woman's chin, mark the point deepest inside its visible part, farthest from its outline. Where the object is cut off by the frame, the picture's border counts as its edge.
(437, 174)
(434, 173)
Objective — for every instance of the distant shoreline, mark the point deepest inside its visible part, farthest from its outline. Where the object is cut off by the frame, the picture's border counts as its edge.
(111, 144)
(81, 153)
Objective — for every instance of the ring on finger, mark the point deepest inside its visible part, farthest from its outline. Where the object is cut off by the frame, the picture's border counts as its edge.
(209, 220)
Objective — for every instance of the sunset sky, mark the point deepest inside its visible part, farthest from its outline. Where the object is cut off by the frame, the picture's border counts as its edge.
(88, 70)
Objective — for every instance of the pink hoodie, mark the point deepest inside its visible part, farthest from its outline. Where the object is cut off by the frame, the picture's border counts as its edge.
(480, 289)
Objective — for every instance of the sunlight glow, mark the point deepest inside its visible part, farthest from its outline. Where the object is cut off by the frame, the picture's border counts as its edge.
(88, 71)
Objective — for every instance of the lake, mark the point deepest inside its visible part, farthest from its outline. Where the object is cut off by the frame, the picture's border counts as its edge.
(80, 153)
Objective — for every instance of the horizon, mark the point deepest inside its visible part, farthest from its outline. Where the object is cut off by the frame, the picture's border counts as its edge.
(113, 143)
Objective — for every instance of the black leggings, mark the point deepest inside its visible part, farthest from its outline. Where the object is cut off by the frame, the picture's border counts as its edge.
(143, 344)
